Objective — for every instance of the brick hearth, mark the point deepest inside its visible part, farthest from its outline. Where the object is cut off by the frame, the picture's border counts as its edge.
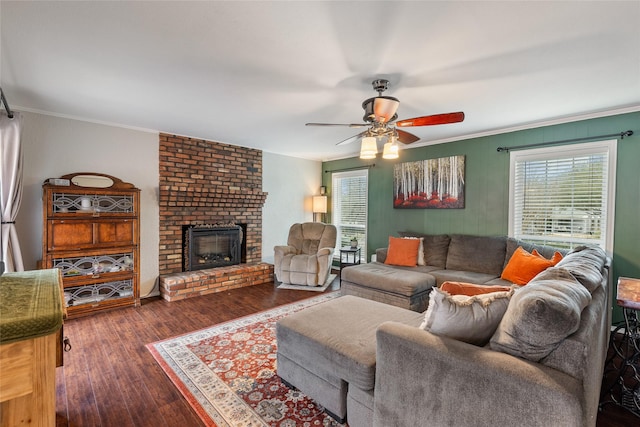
(205, 182)
(189, 284)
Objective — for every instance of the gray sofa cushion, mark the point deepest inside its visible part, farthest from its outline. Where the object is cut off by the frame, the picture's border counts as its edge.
(585, 263)
(388, 278)
(436, 247)
(479, 254)
(497, 282)
(576, 353)
(541, 315)
(310, 337)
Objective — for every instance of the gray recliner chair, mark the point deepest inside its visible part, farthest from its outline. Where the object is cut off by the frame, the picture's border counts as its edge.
(307, 257)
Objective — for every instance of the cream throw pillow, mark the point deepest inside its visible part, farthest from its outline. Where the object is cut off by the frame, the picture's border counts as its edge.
(472, 319)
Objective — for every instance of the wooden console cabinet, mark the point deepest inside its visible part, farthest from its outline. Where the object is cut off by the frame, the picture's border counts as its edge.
(91, 232)
(31, 313)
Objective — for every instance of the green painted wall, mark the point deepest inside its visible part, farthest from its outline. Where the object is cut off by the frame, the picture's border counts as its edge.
(487, 188)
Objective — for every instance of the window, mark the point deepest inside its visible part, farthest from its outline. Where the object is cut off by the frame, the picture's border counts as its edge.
(564, 196)
(349, 207)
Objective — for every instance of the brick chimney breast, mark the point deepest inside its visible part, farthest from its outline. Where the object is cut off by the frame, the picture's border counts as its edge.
(206, 182)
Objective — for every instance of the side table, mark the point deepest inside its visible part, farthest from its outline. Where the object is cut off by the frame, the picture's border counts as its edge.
(348, 256)
(623, 363)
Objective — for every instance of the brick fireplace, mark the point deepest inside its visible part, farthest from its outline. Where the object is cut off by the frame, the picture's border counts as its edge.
(205, 182)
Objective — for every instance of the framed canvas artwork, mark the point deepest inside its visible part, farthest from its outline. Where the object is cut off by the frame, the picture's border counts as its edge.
(429, 184)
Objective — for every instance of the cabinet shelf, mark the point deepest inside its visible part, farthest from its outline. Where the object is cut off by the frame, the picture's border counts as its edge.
(91, 203)
(99, 292)
(92, 265)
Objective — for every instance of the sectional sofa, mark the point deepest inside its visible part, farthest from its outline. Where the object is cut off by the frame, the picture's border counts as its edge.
(374, 363)
(458, 257)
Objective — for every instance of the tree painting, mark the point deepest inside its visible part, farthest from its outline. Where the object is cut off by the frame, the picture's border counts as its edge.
(429, 184)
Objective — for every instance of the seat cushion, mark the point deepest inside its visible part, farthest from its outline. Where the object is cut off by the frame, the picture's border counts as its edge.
(299, 270)
(309, 337)
(387, 278)
(300, 263)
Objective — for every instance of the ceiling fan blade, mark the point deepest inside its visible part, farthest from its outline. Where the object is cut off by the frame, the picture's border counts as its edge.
(436, 119)
(351, 125)
(406, 137)
(384, 108)
(353, 138)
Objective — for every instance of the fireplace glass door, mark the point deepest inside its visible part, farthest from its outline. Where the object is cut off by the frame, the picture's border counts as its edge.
(212, 247)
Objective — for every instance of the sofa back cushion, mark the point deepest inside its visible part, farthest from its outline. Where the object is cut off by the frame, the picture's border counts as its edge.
(436, 247)
(541, 315)
(481, 254)
(308, 237)
(586, 264)
(575, 355)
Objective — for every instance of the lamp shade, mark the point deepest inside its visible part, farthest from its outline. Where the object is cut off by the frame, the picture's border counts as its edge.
(390, 151)
(368, 148)
(319, 204)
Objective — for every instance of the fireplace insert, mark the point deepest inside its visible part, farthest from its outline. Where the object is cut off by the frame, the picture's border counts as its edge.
(212, 246)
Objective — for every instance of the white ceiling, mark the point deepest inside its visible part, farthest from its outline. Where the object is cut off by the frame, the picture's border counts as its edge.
(253, 73)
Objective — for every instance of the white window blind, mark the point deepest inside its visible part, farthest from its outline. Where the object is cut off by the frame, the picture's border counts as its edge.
(564, 196)
(349, 207)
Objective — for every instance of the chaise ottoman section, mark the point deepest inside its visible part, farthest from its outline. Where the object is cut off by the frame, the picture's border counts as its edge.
(325, 347)
(388, 284)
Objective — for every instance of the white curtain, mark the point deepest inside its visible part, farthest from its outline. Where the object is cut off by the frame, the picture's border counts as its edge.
(10, 188)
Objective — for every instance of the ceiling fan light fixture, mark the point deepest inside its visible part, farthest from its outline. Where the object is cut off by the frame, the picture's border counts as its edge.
(380, 117)
(368, 148)
(390, 150)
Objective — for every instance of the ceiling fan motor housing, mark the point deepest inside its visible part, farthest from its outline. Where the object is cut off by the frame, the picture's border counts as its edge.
(370, 108)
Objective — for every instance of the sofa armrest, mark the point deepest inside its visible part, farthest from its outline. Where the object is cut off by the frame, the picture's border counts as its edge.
(325, 259)
(279, 253)
(421, 377)
(381, 254)
(284, 250)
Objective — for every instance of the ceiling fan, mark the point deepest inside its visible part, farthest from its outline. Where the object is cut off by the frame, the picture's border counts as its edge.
(380, 117)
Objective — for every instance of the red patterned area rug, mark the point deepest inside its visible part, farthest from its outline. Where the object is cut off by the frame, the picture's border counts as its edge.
(228, 375)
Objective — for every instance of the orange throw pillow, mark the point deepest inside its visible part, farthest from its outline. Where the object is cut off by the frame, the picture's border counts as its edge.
(471, 289)
(402, 252)
(557, 256)
(523, 266)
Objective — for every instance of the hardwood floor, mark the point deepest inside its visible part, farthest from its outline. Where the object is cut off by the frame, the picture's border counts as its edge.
(110, 379)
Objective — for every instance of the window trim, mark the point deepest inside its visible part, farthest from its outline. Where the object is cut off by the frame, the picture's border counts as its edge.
(346, 174)
(565, 151)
